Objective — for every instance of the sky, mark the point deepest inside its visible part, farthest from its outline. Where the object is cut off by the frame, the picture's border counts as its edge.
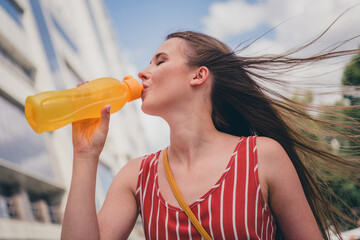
(141, 26)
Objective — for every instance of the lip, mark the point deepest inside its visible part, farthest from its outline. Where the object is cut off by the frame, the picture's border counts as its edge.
(145, 87)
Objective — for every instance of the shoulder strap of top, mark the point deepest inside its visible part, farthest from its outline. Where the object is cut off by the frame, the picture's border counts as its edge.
(181, 200)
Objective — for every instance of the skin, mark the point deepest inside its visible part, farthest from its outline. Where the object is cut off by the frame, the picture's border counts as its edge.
(197, 151)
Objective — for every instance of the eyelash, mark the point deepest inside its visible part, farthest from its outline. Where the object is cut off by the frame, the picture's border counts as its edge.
(160, 62)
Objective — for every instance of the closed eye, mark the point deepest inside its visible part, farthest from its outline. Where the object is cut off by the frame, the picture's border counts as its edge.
(159, 58)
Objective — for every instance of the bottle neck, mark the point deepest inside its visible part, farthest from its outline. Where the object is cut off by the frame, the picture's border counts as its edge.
(128, 99)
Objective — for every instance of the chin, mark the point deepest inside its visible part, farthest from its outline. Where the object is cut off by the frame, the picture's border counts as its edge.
(146, 109)
(150, 110)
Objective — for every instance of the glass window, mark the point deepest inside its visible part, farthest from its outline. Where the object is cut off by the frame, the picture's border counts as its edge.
(7, 208)
(7, 57)
(4, 207)
(96, 28)
(13, 10)
(47, 42)
(55, 214)
(63, 34)
(45, 35)
(72, 74)
(19, 144)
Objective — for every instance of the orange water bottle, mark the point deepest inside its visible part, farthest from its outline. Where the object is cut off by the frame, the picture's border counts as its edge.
(48, 111)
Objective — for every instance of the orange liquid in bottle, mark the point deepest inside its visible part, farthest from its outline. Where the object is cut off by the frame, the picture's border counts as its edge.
(48, 111)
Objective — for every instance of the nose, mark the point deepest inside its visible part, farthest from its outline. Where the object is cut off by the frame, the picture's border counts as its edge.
(144, 75)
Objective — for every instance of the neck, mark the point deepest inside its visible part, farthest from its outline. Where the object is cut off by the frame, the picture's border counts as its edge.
(191, 136)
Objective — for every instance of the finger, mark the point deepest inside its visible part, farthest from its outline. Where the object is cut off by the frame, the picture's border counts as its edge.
(105, 119)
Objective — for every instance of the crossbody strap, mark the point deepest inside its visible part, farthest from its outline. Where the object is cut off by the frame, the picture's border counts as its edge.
(181, 200)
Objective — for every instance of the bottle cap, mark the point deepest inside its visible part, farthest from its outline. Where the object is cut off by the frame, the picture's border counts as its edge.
(135, 87)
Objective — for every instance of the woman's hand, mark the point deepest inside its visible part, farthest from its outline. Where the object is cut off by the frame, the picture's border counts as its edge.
(89, 135)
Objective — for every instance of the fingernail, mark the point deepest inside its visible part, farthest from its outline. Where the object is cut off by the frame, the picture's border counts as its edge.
(108, 108)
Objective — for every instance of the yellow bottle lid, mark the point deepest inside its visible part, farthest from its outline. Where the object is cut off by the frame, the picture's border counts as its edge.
(135, 87)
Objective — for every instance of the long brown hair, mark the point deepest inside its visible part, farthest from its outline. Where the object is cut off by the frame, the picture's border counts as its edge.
(243, 105)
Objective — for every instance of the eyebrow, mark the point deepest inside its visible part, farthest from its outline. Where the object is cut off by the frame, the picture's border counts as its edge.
(158, 55)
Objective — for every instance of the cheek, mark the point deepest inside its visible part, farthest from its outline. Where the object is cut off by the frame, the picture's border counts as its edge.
(170, 78)
(167, 83)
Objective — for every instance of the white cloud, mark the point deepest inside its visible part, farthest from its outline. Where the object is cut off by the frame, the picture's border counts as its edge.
(232, 17)
(301, 21)
(304, 19)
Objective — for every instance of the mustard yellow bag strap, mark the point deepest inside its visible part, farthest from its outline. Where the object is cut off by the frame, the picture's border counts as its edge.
(181, 200)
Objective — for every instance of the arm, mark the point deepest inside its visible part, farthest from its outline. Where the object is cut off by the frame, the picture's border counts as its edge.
(119, 211)
(80, 218)
(282, 188)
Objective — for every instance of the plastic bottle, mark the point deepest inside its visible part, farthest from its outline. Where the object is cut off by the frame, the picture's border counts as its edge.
(48, 111)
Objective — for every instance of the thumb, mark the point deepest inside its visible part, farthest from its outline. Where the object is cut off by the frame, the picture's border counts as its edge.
(105, 119)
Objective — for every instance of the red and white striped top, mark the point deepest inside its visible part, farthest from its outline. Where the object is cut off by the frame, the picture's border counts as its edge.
(232, 209)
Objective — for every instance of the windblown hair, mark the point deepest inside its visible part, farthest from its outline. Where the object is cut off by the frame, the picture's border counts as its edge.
(244, 105)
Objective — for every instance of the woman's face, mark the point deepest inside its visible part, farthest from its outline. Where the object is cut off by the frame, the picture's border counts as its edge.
(166, 79)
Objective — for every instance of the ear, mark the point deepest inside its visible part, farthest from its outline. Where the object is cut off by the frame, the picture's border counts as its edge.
(200, 76)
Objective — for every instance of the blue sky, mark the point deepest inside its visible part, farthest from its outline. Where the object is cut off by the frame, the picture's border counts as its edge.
(141, 26)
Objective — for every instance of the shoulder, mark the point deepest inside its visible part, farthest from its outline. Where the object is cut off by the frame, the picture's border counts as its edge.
(120, 201)
(283, 191)
(272, 155)
(274, 164)
(136, 164)
(128, 174)
(132, 166)
(269, 148)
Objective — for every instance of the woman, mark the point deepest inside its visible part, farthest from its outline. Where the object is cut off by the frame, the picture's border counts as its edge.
(240, 186)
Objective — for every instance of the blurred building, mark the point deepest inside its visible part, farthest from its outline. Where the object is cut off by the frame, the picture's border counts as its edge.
(53, 45)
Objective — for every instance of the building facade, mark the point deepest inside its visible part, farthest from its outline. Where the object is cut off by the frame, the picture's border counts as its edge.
(53, 45)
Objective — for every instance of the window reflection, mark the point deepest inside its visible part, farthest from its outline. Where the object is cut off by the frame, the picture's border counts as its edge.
(95, 26)
(63, 34)
(13, 9)
(19, 144)
(45, 35)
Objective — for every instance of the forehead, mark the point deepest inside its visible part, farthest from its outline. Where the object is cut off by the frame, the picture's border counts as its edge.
(172, 46)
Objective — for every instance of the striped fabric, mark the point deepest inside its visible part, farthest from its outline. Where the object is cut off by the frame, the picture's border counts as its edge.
(232, 209)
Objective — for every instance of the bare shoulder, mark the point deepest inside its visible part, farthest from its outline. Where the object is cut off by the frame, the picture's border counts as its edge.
(274, 164)
(128, 174)
(268, 147)
(120, 201)
(125, 181)
(272, 155)
(133, 165)
(282, 190)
